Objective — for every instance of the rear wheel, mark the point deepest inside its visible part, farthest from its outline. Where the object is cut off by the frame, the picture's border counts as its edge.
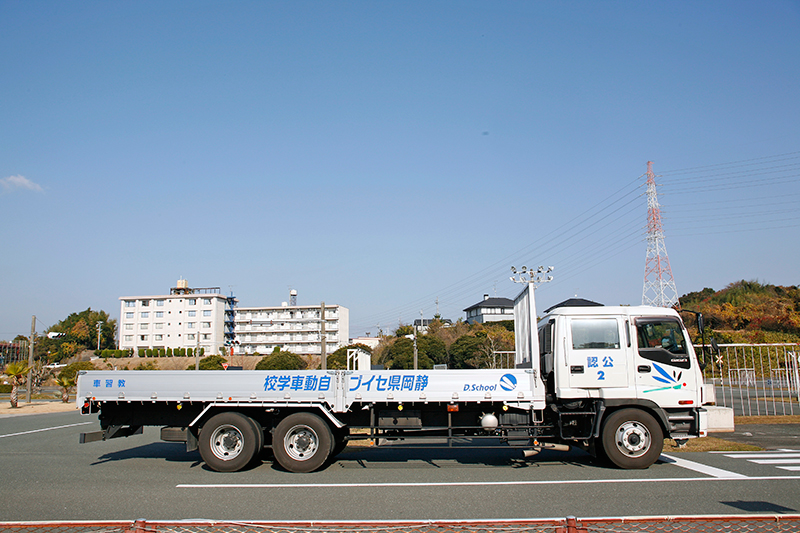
(632, 439)
(302, 442)
(340, 441)
(228, 442)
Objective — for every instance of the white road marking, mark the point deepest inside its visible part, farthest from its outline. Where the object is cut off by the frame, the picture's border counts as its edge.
(44, 429)
(469, 483)
(776, 461)
(765, 454)
(790, 468)
(701, 468)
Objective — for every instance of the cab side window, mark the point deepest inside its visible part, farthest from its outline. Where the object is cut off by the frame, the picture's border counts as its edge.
(662, 341)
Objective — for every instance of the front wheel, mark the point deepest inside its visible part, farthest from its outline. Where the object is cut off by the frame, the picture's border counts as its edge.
(228, 442)
(302, 442)
(632, 438)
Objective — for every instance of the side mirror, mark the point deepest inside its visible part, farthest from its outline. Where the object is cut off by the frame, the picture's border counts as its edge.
(701, 325)
(714, 345)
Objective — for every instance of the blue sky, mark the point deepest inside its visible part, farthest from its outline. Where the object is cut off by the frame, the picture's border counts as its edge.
(381, 155)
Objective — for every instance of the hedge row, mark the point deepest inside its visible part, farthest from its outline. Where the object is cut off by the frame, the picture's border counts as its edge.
(169, 352)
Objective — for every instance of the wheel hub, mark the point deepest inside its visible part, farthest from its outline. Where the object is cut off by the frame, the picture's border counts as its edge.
(301, 443)
(226, 442)
(633, 439)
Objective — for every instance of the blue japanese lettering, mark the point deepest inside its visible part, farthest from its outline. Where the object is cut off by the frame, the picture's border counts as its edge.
(422, 382)
(121, 383)
(591, 362)
(608, 362)
(325, 383)
(270, 382)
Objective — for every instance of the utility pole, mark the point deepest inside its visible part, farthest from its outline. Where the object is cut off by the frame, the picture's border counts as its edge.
(322, 337)
(30, 361)
(99, 332)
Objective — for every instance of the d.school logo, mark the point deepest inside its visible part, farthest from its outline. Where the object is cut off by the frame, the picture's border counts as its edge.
(508, 382)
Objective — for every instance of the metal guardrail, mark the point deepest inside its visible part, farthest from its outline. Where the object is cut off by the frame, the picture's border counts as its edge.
(664, 524)
(756, 379)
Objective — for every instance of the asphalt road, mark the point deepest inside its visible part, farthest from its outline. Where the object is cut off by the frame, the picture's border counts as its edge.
(49, 476)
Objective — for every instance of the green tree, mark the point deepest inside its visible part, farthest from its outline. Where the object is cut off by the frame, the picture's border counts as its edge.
(72, 369)
(400, 355)
(17, 372)
(338, 359)
(403, 330)
(66, 384)
(212, 362)
(464, 350)
(281, 360)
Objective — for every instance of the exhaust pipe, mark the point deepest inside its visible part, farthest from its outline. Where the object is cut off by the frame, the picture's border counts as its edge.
(545, 446)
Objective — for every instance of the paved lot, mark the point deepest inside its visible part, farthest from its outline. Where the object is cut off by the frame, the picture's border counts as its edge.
(55, 478)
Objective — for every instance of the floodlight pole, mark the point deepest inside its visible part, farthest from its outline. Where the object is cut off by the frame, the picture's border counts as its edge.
(533, 278)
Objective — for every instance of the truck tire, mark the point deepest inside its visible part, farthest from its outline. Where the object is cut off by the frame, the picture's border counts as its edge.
(302, 442)
(339, 441)
(228, 442)
(632, 439)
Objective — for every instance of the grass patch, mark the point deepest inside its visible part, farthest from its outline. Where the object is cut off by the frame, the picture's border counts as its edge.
(709, 444)
(784, 419)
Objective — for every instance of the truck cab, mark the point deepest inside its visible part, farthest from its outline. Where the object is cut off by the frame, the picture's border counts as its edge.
(637, 361)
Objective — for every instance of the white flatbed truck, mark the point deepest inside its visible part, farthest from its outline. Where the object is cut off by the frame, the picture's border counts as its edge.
(612, 380)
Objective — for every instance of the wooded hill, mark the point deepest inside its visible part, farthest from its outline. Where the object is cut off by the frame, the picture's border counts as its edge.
(747, 312)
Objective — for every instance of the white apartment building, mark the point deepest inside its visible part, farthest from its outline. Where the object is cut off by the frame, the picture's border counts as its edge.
(185, 318)
(191, 318)
(293, 328)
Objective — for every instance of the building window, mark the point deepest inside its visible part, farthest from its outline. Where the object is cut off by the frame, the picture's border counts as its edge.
(159, 314)
(190, 336)
(145, 314)
(206, 336)
(160, 303)
(206, 324)
(143, 326)
(159, 325)
(129, 314)
(128, 338)
(191, 313)
(128, 326)
(206, 301)
(130, 303)
(207, 312)
(192, 301)
(143, 338)
(190, 325)
(145, 303)
(158, 337)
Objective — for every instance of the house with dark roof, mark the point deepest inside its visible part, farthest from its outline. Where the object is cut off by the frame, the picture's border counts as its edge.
(490, 310)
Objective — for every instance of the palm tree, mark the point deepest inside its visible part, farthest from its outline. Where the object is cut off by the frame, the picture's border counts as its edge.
(66, 383)
(17, 372)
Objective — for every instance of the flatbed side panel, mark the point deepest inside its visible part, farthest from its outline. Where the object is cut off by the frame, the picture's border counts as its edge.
(308, 386)
(439, 386)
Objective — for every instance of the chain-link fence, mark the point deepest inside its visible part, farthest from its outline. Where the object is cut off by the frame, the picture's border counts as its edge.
(756, 379)
(730, 524)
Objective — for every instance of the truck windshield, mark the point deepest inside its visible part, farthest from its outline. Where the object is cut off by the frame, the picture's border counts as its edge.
(662, 341)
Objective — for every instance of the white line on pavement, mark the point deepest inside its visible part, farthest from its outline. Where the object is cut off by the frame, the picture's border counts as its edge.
(468, 483)
(44, 429)
(700, 468)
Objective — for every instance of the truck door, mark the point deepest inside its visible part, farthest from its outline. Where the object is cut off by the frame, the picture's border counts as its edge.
(664, 370)
(595, 356)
